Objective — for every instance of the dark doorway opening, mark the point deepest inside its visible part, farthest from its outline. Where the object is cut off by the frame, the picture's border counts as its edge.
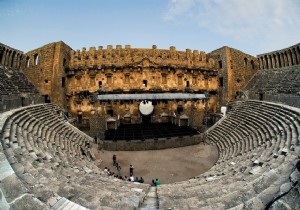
(145, 83)
(23, 101)
(79, 118)
(187, 83)
(47, 99)
(221, 81)
(110, 112)
(179, 109)
(146, 119)
(261, 96)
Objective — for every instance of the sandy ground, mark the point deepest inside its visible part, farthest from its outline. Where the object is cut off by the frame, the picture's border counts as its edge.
(169, 165)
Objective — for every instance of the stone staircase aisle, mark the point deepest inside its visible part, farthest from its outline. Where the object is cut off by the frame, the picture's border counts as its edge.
(151, 201)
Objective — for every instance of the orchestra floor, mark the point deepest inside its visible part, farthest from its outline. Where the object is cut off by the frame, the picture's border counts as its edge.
(169, 165)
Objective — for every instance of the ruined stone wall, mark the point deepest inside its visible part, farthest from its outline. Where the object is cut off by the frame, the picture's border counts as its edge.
(281, 58)
(127, 68)
(37, 65)
(10, 57)
(61, 60)
(45, 69)
(235, 71)
(131, 70)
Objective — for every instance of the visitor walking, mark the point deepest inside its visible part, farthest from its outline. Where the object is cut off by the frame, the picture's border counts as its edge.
(131, 170)
(119, 169)
(114, 160)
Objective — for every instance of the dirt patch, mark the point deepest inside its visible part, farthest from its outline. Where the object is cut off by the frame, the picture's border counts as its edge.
(169, 165)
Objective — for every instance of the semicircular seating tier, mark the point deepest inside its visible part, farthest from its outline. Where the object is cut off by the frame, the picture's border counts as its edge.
(258, 144)
(46, 163)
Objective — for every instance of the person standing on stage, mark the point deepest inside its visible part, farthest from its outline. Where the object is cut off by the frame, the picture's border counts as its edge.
(114, 160)
(131, 170)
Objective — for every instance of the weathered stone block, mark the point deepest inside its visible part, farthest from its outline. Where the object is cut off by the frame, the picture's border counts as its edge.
(28, 202)
(12, 187)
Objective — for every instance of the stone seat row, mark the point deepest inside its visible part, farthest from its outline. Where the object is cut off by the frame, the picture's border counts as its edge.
(15, 80)
(227, 191)
(255, 131)
(16, 194)
(258, 145)
(40, 138)
(45, 153)
(276, 80)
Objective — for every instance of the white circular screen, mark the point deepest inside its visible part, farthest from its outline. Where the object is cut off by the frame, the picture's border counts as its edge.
(146, 107)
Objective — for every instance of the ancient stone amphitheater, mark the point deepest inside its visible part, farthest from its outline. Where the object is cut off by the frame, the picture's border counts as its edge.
(47, 163)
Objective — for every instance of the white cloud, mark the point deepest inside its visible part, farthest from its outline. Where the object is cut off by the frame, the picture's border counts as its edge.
(268, 23)
(177, 8)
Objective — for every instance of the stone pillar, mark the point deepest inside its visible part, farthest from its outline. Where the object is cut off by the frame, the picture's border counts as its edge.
(261, 63)
(294, 56)
(282, 60)
(3, 57)
(13, 59)
(269, 62)
(286, 61)
(276, 60)
(289, 57)
(10, 61)
(273, 61)
(297, 52)
(6, 57)
(18, 60)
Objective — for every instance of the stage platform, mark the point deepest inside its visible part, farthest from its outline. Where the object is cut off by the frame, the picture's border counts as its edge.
(148, 131)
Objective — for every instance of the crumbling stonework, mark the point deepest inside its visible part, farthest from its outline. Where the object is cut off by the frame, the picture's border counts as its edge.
(235, 71)
(130, 70)
(280, 58)
(10, 57)
(44, 68)
(72, 79)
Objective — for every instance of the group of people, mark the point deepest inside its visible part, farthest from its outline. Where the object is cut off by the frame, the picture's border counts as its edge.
(131, 178)
(155, 182)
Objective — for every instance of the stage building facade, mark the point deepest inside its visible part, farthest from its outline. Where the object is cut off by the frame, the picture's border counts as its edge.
(105, 87)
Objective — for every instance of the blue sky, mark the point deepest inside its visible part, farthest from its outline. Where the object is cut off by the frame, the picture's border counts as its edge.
(254, 27)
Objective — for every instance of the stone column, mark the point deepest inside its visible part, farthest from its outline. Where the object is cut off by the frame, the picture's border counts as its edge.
(3, 56)
(13, 59)
(273, 61)
(6, 57)
(18, 60)
(294, 56)
(297, 52)
(10, 60)
(269, 62)
(282, 60)
(278, 60)
(289, 57)
(261, 64)
(286, 60)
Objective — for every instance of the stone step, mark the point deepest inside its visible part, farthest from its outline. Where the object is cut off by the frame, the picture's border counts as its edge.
(150, 201)
(65, 204)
